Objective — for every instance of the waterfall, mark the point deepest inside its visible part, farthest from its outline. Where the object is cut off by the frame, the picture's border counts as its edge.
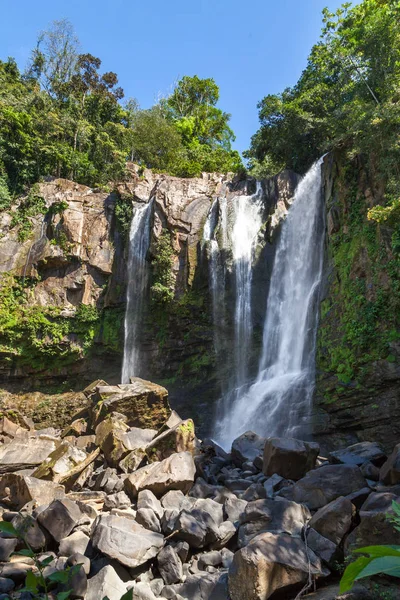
(278, 401)
(139, 241)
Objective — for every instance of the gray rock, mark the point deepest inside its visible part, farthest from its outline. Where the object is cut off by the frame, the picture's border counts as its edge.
(390, 470)
(79, 559)
(118, 500)
(227, 557)
(173, 500)
(174, 473)
(359, 453)
(334, 520)
(146, 499)
(17, 489)
(77, 582)
(225, 532)
(7, 547)
(156, 585)
(169, 565)
(196, 587)
(255, 492)
(25, 452)
(209, 559)
(324, 548)
(182, 550)
(126, 541)
(60, 518)
(289, 458)
(233, 508)
(168, 520)
(142, 591)
(6, 585)
(76, 542)
(374, 528)
(105, 583)
(270, 562)
(148, 518)
(322, 485)
(247, 447)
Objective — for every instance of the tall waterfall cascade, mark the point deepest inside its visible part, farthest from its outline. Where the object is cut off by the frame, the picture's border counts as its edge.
(139, 241)
(278, 400)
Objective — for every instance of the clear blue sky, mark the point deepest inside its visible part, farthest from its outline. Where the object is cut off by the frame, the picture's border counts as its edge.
(250, 48)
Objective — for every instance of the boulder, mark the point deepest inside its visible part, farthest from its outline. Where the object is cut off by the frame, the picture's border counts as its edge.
(322, 485)
(359, 453)
(201, 586)
(145, 404)
(16, 490)
(375, 528)
(176, 472)
(268, 563)
(125, 540)
(59, 462)
(169, 565)
(333, 521)
(199, 525)
(105, 584)
(180, 438)
(324, 548)
(247, 447)
(133, 460)
(118, 500)
(25, 452)
(233, 508)
(110, 437)
(289, 458)
(76, 542)
(225, 532)
(277, 516)
(59, 518)
(35, 536)
(148, 518)
(146, 499)
(7, 547)
(390, 470)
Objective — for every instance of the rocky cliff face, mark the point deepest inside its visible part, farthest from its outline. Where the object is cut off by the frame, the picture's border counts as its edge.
(358, 357)
(63, 260)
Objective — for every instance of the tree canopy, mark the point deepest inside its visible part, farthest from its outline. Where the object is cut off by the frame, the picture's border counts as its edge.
(65, 117)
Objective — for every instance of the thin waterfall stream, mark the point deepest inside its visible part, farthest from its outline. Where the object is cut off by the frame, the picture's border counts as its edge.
(139, 241)
(277, 402)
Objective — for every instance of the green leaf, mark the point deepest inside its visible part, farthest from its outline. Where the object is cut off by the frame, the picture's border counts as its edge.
(8, 528)
(25, 552)
(375, 551)
(47, 561)
(31, 582)
(128, 595)
(63, 595)
(387, 565)
(351, 573)
(59, 576)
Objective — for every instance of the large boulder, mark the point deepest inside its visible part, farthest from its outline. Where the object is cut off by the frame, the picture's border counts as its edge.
(322, 485)
(247, 447)
(105, 584)
(200, 524)
(176, 472)
(179, 438)
(268, 563)
(125, 540)
(277, 516)
(360, 453)
(59, 462)
(16, 490)
(25, 452)
(59, 518)
(333, 521)
(375, 528)
(288, 457)
(145, 404)
(390, 470)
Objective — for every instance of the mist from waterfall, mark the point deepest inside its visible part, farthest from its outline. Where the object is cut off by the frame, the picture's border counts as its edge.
(139, 241)
(278, 401)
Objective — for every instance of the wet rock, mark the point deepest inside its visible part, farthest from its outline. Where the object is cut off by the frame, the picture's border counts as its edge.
(16, 490)
(333, 521)
(145, 404)
(174, 473)
(148, 518)
(105, 584)
(247, 447)
(76, 542)
(359, 453)
(126, 541)
(390, 470)
(59, 518)
(169, 565)
(289, 458)
(268, 563)
(322, 485)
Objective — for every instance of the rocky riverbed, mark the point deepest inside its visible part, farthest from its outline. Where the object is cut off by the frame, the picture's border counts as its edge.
(127, 498)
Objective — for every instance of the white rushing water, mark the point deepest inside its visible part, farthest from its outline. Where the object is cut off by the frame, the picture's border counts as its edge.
(278, 401)
(139, 240)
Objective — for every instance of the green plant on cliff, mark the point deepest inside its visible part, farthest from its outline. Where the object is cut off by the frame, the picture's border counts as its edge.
(32, 206)
(162, 287)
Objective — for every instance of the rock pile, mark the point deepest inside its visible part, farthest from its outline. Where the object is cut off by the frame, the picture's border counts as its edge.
(126, 498)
